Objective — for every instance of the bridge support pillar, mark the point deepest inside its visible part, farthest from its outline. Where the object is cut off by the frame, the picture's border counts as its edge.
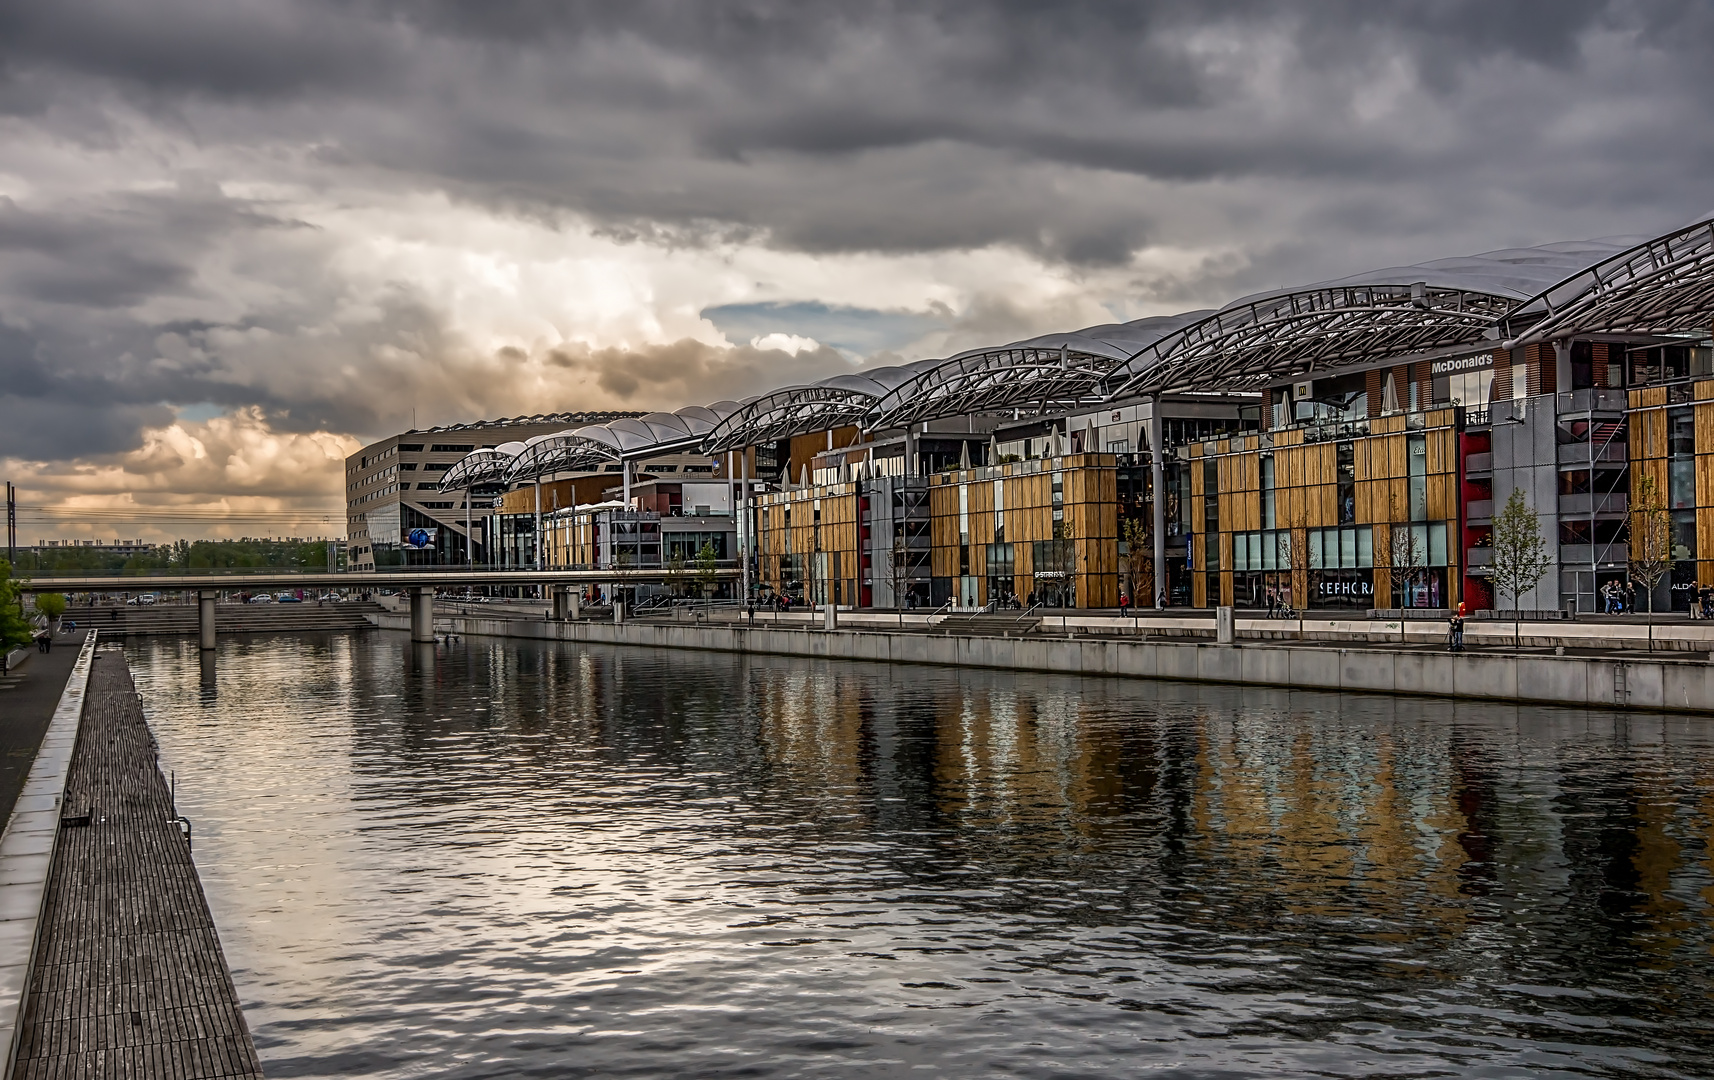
(422, 613)
(561, 603)
(573, 600)
(205, 618)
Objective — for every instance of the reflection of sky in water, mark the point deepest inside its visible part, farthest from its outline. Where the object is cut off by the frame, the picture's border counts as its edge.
(526, 859)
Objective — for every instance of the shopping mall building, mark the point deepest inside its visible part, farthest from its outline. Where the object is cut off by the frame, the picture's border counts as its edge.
(1340, 445)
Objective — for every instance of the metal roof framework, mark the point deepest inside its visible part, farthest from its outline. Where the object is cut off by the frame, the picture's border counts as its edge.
(841, 401)
(629, 439)
(1044, 374)
(1396, 312)
(1243, 348)
(481, 467)
(1661, 286)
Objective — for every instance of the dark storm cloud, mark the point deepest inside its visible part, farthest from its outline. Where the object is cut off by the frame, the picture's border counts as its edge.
(1270, 142)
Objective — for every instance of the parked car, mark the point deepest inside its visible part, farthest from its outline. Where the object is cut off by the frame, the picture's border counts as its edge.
(261, 598)
(288, 598)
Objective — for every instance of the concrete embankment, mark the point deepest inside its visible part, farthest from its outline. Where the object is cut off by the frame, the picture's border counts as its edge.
(1667, 681)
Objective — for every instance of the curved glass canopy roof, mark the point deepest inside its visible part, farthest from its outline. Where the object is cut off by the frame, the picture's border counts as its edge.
(585, 448)
(798, 410)
(480, 467)
(1660, 286)
(1398, 311)
(1043, 373)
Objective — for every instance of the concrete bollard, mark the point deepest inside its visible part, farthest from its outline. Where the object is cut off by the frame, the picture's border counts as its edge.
(829, 617)
(618, 611)
(1225, 630)
(422, 614)
(205, 618)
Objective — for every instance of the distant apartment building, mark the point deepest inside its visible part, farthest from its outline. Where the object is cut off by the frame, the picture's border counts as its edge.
(122, 547)
(395, 513)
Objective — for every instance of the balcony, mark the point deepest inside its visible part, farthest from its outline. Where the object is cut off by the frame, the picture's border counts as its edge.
(1578, 453)
(1479, 556)
(1576, 554)
(1478, 463)
(1585, 505)
(1479, 510)
(1597, 400)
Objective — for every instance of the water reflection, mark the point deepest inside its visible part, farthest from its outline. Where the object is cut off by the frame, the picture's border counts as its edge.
(521, 858)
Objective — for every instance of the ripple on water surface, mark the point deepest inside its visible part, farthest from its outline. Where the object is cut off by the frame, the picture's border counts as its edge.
(525, 859)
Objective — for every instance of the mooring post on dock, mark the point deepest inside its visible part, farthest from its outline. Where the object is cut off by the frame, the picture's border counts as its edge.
(205, 618)
(422, 613)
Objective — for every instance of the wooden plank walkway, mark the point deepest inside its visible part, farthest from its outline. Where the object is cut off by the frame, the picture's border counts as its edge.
(129, 979)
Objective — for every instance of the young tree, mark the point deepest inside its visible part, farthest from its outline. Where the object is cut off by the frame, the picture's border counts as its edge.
(1651, 541)
(51, 605)
(1294, 551)
(1406, 558)
(1520, 558)
(1140, 560)
(898, 573)
(14, 630)
(675, 571)
(707, 569)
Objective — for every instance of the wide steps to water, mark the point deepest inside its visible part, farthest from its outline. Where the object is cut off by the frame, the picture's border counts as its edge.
(989, 622)
(228, 618)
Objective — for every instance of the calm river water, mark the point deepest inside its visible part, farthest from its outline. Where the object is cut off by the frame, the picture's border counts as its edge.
(540, 860)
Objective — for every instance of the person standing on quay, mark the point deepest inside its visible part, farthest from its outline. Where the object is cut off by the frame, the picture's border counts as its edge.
(1456, 625)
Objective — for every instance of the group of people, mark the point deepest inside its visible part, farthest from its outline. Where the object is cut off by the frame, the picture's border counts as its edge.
(1279, 605)
(1618, 597)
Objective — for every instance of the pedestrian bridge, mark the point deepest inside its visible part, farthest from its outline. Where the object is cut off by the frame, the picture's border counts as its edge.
(421, 584)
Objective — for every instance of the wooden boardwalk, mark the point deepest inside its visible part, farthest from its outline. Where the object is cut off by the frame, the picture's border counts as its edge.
(128, 979)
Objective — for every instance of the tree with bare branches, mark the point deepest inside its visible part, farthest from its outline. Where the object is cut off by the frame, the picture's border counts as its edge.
(1651, 541)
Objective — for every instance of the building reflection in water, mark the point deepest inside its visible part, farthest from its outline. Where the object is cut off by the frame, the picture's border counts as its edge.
(1347, 846)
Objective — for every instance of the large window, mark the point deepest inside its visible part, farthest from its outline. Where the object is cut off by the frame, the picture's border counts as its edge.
(1349, 548)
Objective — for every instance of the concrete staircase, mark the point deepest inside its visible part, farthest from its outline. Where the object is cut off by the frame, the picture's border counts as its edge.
(228, 618)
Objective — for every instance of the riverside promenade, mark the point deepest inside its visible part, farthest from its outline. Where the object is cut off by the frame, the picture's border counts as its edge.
(109, 960)
(1571, 664)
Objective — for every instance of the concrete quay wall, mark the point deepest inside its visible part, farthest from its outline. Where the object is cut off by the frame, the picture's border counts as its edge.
(1664, 683)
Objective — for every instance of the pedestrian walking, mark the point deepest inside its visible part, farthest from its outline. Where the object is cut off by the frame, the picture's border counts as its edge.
(1124, 605)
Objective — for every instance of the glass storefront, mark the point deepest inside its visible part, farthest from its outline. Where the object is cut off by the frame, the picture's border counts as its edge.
(1351, 588)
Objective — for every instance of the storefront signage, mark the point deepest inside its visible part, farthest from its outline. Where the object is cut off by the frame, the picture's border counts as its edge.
(1462, 363)
(1347, 588)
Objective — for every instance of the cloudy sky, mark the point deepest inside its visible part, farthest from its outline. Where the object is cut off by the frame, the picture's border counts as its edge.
(240, 237)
